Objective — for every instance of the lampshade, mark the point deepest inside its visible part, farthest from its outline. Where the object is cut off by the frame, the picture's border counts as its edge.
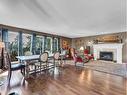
(2, 45)
(81, 48)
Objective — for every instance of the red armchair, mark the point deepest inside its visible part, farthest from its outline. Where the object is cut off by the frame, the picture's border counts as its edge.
(78, 59)
(87, 55)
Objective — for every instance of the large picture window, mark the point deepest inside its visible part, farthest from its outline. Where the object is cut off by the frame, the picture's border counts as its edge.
(39, 44)
(49, 44)
(26, 39)
(13, 45)
(55, 44)
(18, 43)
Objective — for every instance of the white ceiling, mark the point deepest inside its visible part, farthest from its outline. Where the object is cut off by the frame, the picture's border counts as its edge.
(70, 18)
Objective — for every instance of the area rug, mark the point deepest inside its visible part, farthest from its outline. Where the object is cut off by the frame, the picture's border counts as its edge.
(108, 67)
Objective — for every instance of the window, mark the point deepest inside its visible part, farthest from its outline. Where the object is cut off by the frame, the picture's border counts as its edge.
(17, 43)
(49, 44)
(55, 44)
(39, 44)
(13, 45)
(26, 39)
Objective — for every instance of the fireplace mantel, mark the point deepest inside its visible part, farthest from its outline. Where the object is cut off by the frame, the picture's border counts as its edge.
(114, 47)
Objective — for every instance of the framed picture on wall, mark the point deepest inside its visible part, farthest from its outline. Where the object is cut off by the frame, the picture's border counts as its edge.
(65, 44)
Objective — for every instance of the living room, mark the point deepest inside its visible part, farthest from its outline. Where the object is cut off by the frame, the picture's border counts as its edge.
(114, 39)
(64, 47)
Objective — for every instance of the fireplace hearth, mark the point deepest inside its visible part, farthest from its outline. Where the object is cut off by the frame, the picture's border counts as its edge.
(108, 56)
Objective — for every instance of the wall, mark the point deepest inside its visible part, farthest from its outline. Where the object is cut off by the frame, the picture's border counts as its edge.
(87, 41)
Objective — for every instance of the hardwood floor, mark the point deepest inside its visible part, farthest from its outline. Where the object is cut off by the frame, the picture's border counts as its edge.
(70, 81)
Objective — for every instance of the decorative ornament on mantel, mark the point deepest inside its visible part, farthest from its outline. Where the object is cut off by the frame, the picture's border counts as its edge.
(108, 39)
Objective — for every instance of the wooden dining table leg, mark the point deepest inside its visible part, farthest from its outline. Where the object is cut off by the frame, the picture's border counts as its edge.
(27, 69)
(61, 60)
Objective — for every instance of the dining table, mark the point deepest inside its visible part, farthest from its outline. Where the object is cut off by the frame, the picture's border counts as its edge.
(25, 60)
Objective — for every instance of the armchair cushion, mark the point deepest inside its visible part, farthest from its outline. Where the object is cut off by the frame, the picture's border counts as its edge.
(77, 58)
(87, 55)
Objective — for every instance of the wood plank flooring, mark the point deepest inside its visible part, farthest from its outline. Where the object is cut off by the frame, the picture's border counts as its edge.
(70, 81)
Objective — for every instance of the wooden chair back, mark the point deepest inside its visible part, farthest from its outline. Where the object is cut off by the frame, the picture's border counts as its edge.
(7, 61)
(56, 55)
(43, 57)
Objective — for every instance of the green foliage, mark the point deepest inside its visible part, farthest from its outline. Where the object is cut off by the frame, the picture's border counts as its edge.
(48, 44)
(26, 46)
(13, 48)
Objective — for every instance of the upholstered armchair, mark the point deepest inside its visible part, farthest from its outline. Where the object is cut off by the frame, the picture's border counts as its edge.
(79, 61)
(87, 55)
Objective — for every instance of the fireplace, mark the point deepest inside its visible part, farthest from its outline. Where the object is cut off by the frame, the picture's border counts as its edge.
(108, 56)
(115, 48)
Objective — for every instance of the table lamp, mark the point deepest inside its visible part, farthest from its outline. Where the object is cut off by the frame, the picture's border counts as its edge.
(81, 48)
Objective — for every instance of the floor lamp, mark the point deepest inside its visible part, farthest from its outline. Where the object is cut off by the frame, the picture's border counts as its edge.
(2, 46)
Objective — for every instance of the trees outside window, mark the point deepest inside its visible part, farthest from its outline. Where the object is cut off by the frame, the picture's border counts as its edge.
(26, 39)
(17, 43)
(39, 44)
(49, 44)
(13, 45)
(55, 44)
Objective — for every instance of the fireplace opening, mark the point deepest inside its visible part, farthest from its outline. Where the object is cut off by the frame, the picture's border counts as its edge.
(108, 56)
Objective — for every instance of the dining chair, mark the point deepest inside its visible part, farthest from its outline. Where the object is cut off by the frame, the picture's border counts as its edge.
(31, 62)
(50, 59)
(87, 55)
(57, 59)
(42, 64)
(79, 61)
(64, 56)
(57, 62)
(13, 67)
